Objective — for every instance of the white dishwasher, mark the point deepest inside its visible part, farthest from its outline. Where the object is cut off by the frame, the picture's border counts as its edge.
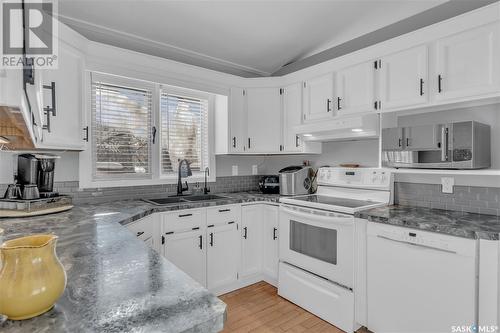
(419, 281)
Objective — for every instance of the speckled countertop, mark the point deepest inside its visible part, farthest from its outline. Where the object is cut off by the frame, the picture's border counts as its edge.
(468, 225)
(115, 282)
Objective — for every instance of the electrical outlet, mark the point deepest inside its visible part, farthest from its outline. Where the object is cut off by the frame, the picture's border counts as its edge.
(447, 184)
(255, 169)
(235, 170)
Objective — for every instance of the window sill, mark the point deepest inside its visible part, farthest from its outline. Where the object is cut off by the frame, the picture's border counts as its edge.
(143, 182)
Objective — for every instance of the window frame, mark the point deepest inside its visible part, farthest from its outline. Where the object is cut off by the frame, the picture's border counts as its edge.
(87, 179)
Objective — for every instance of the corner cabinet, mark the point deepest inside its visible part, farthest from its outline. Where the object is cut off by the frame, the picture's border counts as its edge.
(263, 120)
(63, 101)
(318, 98)
(147, 230)
(467, 63)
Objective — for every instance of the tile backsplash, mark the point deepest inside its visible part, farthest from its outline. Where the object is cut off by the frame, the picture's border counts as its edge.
(473, 199)
(95, 195)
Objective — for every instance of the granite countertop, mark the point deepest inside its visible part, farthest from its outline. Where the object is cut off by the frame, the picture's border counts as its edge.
(115, 282)
(468, 225)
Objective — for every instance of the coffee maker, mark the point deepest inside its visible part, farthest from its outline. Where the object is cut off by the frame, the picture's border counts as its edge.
(35, 173)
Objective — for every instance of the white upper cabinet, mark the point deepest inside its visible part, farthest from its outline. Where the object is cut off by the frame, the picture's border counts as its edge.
(263, 120)
(468, 63)
(292, 117)
(355, 89)
(403, 78)
(318, 98)
(63, 101)
(237, 128)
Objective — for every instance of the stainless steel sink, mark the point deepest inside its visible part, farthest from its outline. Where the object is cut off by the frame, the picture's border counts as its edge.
(165, 201)
(188, 198)
(203, 197)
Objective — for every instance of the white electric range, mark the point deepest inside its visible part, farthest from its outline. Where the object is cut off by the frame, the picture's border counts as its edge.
(323, 246)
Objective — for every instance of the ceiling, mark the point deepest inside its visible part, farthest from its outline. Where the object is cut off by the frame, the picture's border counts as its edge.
(247, 38)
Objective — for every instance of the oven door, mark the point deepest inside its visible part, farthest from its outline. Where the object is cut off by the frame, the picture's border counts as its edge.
(318, 241)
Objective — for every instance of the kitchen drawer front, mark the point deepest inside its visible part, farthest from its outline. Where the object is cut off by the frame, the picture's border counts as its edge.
(183, 220)
(223, 214)
(143, 228)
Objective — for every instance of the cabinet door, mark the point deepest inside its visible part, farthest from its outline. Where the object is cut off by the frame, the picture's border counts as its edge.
(318, 98)
(264, 120)
(251, 241)
(468, 63)
(392, 138)
(403, 78)
(66, 129)
(292, 117)
(270, 238)
(424, 137)
(186, 250)
(223, 255)
(237, 121)
(355, 89)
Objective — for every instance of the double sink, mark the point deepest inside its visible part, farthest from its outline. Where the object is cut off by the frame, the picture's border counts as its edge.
(180, 199)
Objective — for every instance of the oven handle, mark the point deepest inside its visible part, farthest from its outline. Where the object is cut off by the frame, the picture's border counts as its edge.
(319, 217)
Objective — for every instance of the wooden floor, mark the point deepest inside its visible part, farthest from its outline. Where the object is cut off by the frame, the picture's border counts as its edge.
(258, 308)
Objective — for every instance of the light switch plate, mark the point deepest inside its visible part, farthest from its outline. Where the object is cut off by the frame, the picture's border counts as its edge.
(235, 170)
(447, 184)
(255, 169)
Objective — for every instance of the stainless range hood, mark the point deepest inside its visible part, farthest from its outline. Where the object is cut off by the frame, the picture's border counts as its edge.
(344, 128)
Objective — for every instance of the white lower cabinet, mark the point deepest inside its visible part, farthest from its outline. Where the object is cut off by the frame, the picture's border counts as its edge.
(251, 240)
(222, 258)
(187, 251)
(270, 235)
(146, 229)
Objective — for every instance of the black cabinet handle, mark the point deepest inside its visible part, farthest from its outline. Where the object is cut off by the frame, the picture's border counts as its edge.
(440, 79)
(153, 133)
(86, 130)
(338, 103)
(328, 105)
(162, 240)
(50, 110)
(224, 210)
(245, 234)
(376, 105)
(212, 239)
(421, 87)
(248, 143)
(234, 142)
(185, 215)
(274, 233)
(400, 142)
(296, 141)
(139, 233)
(201, 242)
(407, 142)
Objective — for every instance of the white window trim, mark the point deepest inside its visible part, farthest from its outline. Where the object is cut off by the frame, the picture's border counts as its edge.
(155, 178)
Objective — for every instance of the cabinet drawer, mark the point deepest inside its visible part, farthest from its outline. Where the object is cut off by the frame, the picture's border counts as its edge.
(223, 214)
(143, 228)
(183, 220)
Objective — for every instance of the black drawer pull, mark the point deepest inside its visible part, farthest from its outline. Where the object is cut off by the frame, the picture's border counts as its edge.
(212, 239)
(140, 233)
(412, 234)
(201, 242)
(232, 222)
(246, 232)
(224, 210)
(210, 226)
(196, 228)
(185, 215)
(440, 79)
(169, 233)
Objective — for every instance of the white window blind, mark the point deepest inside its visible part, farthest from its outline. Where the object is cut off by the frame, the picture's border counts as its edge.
(121, 130)
(184, 131)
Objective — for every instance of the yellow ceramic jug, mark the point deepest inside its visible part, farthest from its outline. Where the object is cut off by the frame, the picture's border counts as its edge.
(31, 276)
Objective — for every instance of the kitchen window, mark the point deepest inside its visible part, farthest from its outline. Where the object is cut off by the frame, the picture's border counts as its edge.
(140, 130)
